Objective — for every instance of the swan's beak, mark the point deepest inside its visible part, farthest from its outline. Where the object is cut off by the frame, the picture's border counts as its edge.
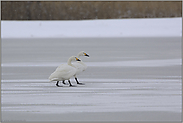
(86, 54)
(78, 59)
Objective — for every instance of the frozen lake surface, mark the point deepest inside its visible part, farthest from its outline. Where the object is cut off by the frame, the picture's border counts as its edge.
(127, 79)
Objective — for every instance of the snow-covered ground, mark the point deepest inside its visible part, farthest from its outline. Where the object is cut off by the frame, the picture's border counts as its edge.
(133, 74)
(163, 27)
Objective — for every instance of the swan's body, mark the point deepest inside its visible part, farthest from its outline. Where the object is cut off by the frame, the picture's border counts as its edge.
(80, 65)
(64, 71)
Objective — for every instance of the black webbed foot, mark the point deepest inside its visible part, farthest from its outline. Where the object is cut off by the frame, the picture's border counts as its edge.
(58, 85)
(78, 82)
(64, 82)
(71, 84)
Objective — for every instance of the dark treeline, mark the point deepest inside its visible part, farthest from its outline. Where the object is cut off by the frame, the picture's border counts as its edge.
(59, 10)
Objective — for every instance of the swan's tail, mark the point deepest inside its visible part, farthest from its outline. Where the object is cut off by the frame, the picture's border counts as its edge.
(53, 79)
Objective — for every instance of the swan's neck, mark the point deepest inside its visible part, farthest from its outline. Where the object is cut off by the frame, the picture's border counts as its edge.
(80, 54)
(69, 62)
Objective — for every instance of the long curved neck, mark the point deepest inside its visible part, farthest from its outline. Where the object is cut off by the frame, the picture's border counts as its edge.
(79, 54)
(69, 62)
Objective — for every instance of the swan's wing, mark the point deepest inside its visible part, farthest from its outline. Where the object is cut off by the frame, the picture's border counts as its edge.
(67, 73)
(61, 67)
(54, 76)
(63, 72)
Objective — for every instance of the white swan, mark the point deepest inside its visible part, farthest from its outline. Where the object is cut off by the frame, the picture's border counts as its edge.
(64, 72)
(80, 65)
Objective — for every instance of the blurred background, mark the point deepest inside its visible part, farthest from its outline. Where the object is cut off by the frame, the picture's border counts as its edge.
(79, 10)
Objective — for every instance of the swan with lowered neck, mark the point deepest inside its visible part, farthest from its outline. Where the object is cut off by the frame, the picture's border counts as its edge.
(64, 71)
(80, 65)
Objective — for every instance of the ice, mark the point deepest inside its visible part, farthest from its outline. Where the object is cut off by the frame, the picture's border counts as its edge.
(139, 63)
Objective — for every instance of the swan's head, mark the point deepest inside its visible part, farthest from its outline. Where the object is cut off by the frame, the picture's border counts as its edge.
(77, 59)
(85, 54)
(82, 53)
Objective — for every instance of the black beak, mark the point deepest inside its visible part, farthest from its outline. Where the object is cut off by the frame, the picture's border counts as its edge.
(78, 60)
(87, 55)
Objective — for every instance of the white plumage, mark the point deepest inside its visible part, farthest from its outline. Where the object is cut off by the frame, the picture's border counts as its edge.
(80, 65)
(64, 71)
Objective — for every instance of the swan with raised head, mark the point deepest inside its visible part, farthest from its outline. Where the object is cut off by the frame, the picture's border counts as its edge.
(64, 72)
(80, 65)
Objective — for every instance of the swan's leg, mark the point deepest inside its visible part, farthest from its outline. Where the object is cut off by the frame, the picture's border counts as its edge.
(70, 84)
(78, 81)
(57, 84)
(63, 82)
